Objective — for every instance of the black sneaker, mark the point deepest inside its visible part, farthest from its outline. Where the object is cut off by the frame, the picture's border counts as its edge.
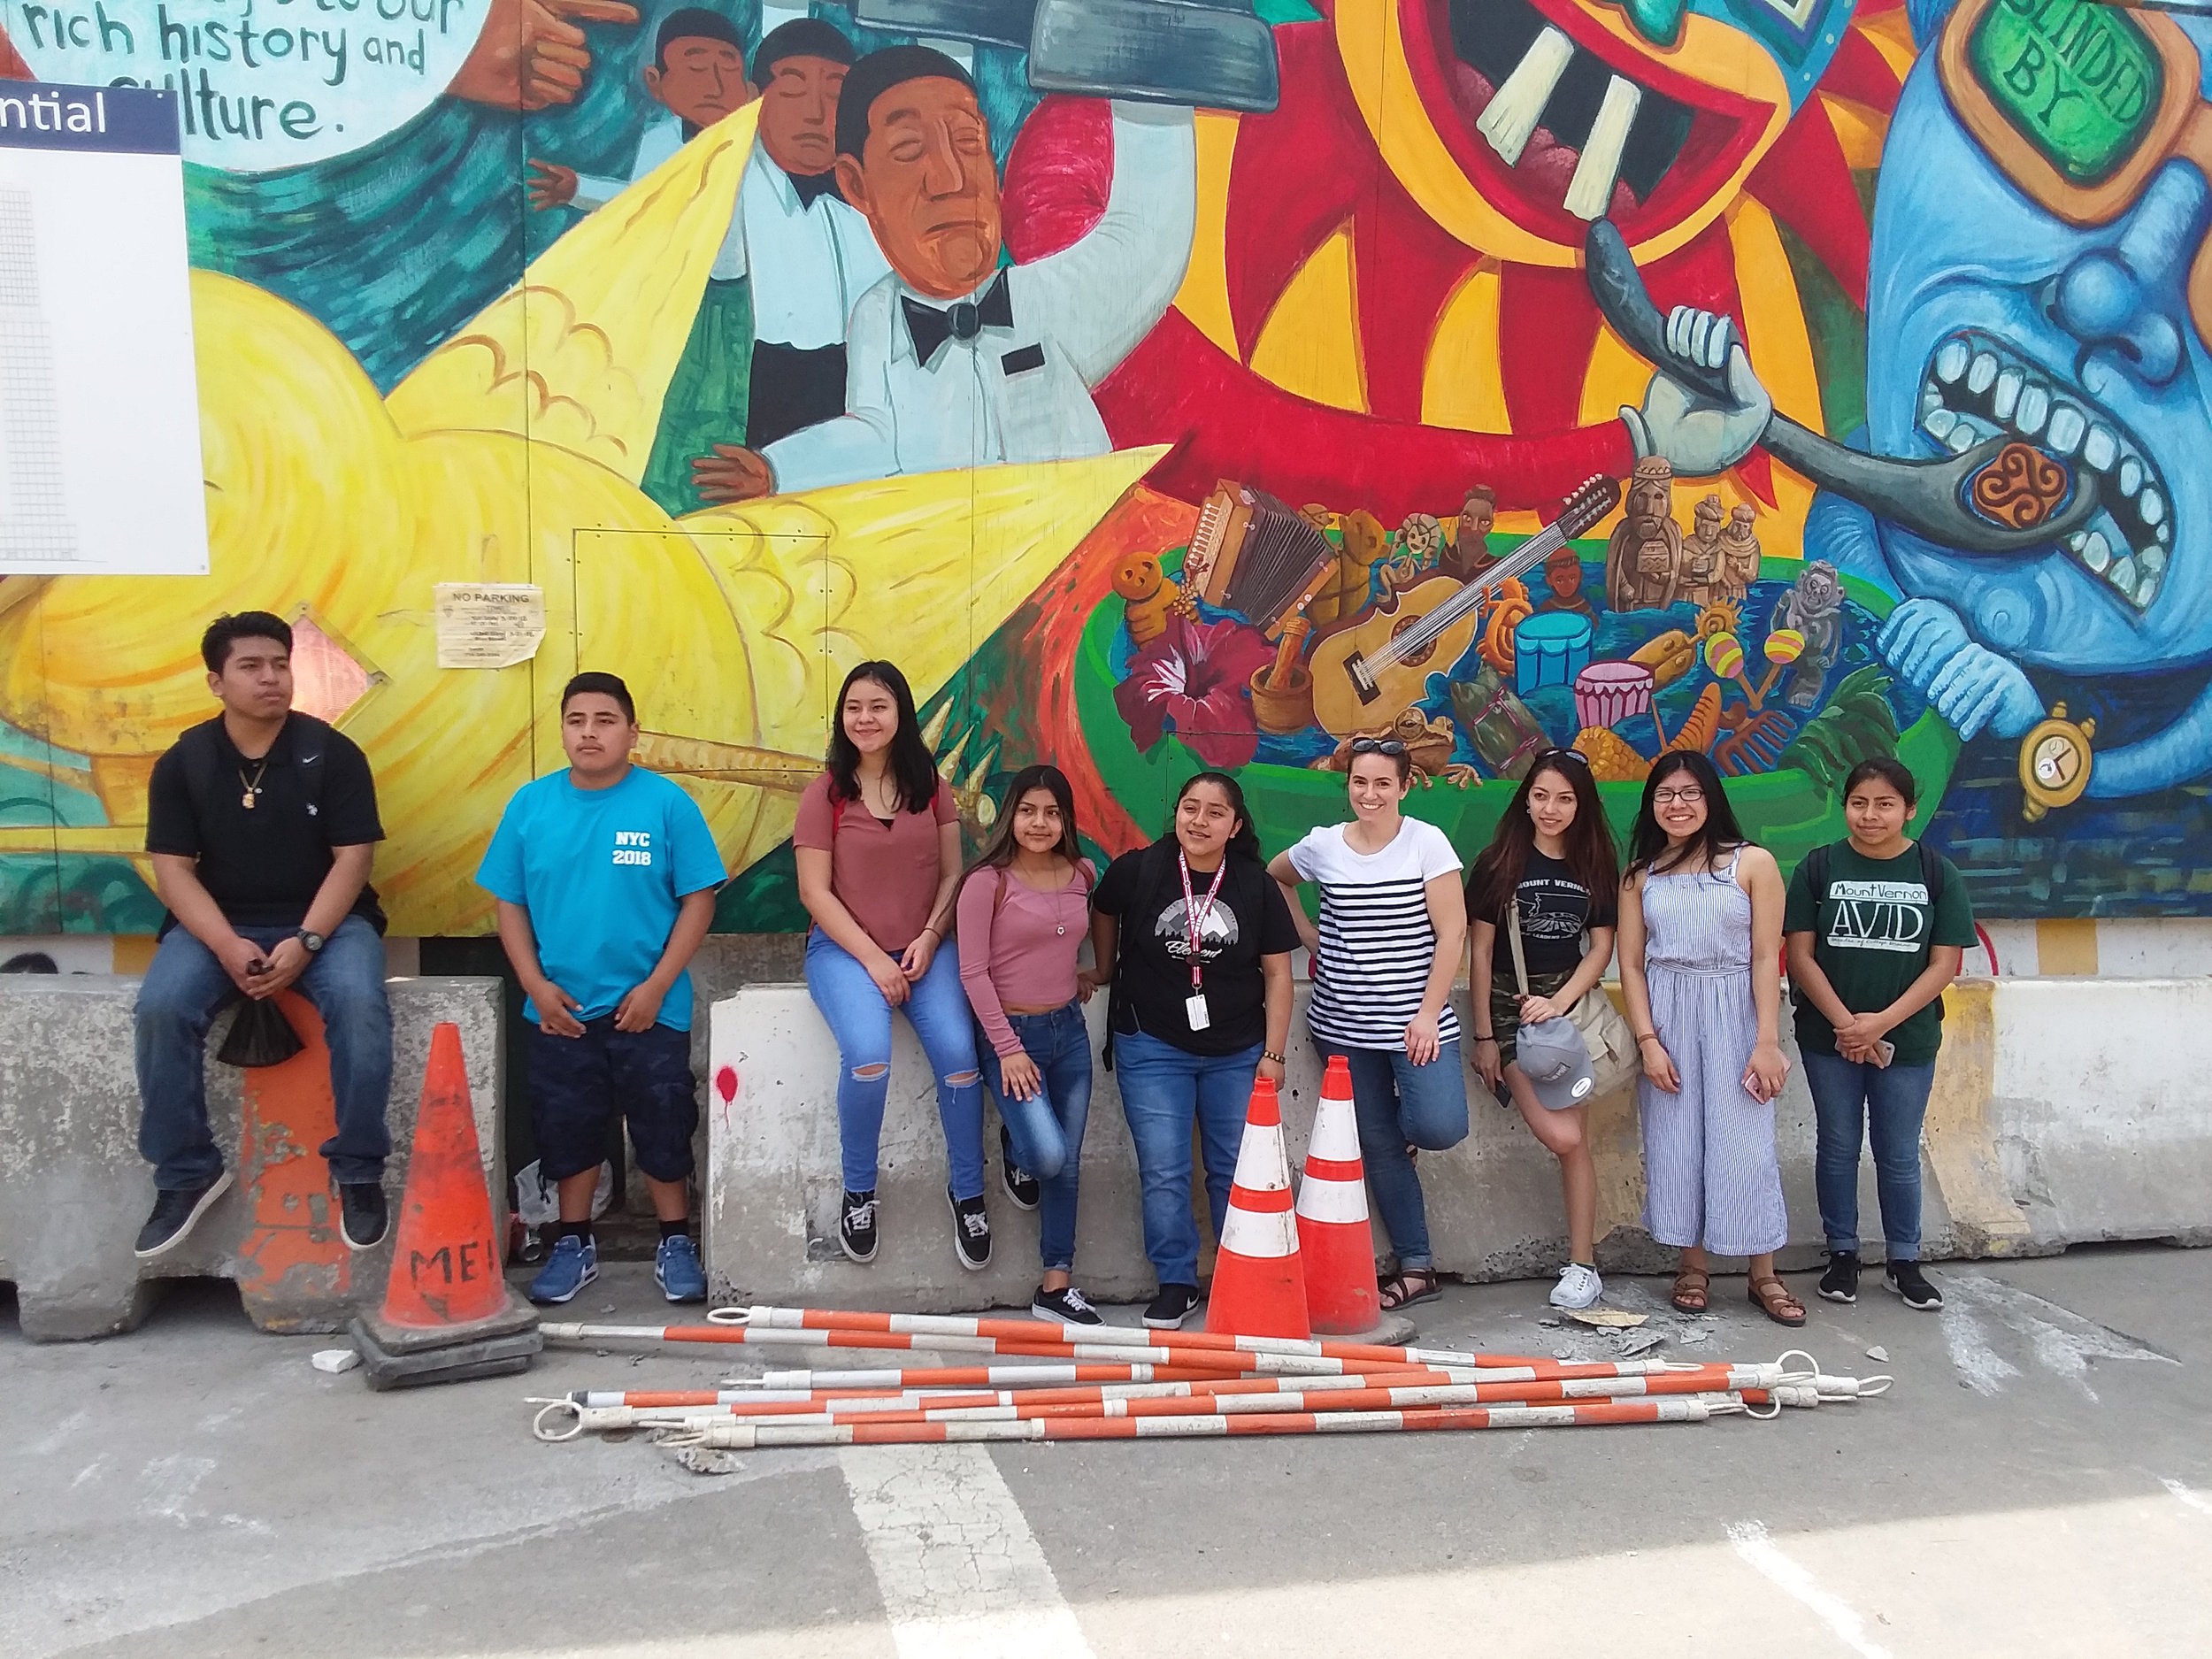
(857, 1227)
(1172, 1307)
(971, 1231)
(1021, 1185)
(1068, 1306)
(1840, 1282)
(361, 1215)
(175, 1215)
(1906, 1279)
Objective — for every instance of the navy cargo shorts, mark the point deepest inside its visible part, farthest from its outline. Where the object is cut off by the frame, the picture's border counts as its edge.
(580, 1085)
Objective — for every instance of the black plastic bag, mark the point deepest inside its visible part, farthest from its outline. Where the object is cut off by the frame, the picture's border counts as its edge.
(260, 1036)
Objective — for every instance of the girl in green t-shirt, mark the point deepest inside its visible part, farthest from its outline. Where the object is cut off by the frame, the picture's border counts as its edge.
(1876, 926)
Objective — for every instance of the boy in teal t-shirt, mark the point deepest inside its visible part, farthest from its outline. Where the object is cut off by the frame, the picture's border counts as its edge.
(1877, 925)
(605, 876)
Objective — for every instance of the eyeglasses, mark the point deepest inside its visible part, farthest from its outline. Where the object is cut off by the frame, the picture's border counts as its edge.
(1689, 794)
(2080, 104)
(1389, 746)
(1545, 756)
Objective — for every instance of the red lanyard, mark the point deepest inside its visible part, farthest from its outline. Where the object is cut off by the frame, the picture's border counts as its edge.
(1194, 916)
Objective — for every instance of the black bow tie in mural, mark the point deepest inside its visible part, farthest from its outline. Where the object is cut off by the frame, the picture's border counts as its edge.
(930, 328)
(810, 187)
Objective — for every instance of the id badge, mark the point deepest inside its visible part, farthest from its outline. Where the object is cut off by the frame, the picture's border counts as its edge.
(1195, 1012)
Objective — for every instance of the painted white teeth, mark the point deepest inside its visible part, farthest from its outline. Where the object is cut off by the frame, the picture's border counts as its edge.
(1951, 361)
(1939, 422)
(2122, 577)
(2100, 448)
(1982, 375)
(2131, 476)
(2152, 562)
(2146, 591)
(1590, 192)
(2076, 540)
(2094, 551)
(2152, 507)
(1930, 401)
(2035, 407)
(1962, 438)
(1509, 119)
(2067, 424)
(2007, 398)
(2165, 535)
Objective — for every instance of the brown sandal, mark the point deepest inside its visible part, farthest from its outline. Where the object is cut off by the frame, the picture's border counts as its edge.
(1778, 1304)
(1690, 1286)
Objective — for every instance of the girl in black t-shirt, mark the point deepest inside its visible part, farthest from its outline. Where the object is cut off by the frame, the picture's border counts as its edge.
(1553, 859)
(1195, 940)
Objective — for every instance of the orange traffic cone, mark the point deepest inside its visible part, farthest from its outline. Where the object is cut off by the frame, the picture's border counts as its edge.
(448, 1313)
(1259, 1286)
(1332, 1233)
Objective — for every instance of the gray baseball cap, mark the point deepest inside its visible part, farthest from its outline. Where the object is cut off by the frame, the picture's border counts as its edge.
(1552, 1058)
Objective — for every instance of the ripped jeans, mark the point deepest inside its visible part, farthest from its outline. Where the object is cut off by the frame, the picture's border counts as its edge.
(860, 1019)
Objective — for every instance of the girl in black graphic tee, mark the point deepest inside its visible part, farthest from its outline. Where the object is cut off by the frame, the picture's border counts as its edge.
(1552, 859)
(1195, 941)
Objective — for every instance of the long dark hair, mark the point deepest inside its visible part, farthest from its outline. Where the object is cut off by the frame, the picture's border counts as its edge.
(1244, 843)
(1891, 772)
(1000, 850)
(1648, 842)
(1591, 856)
(909, 759)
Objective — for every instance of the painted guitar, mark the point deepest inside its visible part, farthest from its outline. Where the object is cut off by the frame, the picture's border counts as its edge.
(1363, 677)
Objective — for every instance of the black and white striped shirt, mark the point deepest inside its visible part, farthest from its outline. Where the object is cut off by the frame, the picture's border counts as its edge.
(1376, 941)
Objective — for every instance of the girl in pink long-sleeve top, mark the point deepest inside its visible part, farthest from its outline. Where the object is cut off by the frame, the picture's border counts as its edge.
(1024, 912)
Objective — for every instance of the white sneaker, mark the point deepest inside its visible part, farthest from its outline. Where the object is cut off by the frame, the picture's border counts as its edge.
(1578, 1286)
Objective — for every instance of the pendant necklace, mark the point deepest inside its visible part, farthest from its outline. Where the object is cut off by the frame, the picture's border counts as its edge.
(253, 784)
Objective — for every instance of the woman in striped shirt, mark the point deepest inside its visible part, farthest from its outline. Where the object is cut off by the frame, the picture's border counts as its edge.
(1392, 926)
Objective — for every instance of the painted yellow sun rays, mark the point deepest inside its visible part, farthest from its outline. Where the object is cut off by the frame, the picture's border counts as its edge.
(512, 454)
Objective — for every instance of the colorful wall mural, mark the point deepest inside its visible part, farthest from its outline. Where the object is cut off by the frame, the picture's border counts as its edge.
(1179, 385)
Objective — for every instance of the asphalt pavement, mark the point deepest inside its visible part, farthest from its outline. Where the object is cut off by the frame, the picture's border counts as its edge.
(2038, 1482)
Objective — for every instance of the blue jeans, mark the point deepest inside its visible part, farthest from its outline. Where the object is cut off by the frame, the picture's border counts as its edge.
(1164, 1090)
(1398, 1103)
(183, 991)
(860, 1019)
(1047, 1127)
(1884, 1104)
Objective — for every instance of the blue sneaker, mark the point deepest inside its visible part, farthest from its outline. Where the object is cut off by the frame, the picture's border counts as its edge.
(677, 1269)
(574, 1264)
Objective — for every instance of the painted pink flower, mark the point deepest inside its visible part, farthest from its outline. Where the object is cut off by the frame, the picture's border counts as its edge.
(1198, 675)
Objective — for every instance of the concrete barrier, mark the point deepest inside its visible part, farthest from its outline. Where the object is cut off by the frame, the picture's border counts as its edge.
(2064, 1110)
(73, 1191)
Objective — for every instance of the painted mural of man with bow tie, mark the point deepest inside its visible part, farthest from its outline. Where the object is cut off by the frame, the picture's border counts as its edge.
(955, 359)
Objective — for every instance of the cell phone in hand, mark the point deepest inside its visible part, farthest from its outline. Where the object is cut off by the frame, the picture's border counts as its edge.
(1884, 1051)
(255, 968)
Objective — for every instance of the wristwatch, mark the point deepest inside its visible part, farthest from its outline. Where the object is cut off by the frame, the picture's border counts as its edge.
(313, 941)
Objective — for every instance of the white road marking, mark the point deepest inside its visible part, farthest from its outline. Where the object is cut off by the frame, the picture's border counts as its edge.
(2194, 1500)
(1765, 1558)
(961, 1574)
(2062, 1341)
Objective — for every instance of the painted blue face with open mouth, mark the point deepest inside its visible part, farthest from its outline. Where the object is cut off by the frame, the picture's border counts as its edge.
(1990, 314)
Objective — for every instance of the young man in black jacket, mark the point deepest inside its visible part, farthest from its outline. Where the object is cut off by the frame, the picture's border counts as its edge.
(262, 823)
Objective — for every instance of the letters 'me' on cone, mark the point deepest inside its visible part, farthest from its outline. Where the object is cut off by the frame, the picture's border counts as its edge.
(1259, 1286)
(448, 1313)
(1334, 1235)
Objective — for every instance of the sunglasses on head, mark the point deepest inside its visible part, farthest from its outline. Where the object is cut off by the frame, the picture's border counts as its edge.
(2080, 104)
(1389, 746)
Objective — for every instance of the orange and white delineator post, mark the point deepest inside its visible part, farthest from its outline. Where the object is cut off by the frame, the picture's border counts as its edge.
(1149, 1351)
(1334, 1236)
(747, 1436)
(1259, 1287)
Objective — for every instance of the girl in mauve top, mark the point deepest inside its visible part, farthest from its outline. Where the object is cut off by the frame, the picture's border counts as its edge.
(878, 842)
(1024, 913)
